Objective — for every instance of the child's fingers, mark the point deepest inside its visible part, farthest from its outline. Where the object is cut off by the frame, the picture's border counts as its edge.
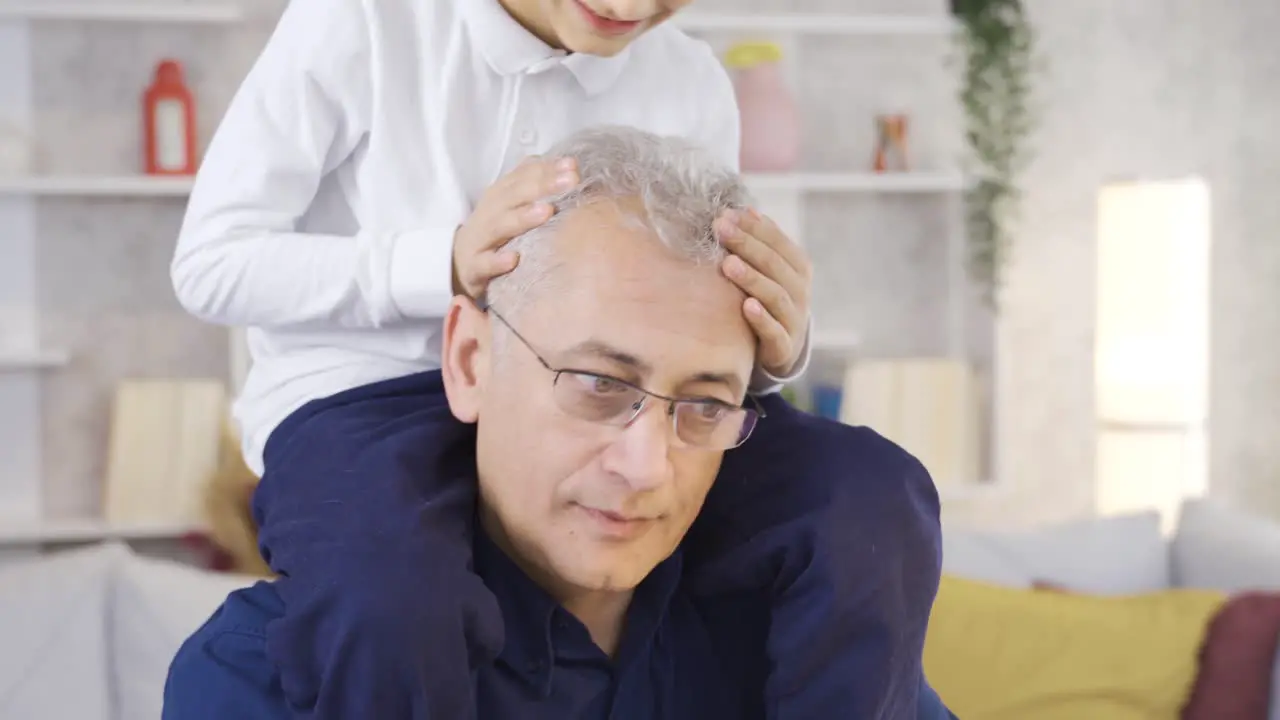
(541, 180)
(763, 288)
(515, 222)
(764, 229)
(764, 258)
(490, 265)
(775, 341)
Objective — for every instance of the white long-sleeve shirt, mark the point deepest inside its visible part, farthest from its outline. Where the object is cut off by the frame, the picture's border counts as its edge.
(323, 215)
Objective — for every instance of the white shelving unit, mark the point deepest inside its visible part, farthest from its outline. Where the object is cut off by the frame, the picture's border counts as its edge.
(837, 342)
(130, 12)
(889, 182)
(817, 24)
(51, 532)
(96, 186)
(975, 492)
(22, 360)
(18, 360)
(786, 190)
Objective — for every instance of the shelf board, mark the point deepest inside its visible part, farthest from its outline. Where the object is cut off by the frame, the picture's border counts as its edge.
(136, 12)
(75, 530)
(96, 186)
(971, 491)
(819, 24)
(892, 182)
(11, 360)
(834, 342)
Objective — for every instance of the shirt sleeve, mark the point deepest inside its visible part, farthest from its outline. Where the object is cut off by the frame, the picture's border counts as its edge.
(301, 111)
(721, 131)
(763, 382)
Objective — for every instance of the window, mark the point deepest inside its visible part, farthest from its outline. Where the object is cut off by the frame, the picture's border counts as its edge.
(1151, 345)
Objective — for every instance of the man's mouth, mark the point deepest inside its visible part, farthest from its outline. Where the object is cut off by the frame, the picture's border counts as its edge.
(617, 525)
(605, 25)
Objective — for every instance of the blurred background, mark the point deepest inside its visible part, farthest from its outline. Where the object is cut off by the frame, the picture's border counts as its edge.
(1040, 229)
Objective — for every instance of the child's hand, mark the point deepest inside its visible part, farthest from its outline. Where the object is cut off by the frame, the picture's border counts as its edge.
(777, 275)
(510, 207)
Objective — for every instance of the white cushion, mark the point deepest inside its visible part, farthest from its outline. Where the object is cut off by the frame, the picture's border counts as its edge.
(157, 605)
(1113, 555)
(53, 635)
(1218, 547)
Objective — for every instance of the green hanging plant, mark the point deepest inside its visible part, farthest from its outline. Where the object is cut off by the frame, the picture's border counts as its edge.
(997, 45)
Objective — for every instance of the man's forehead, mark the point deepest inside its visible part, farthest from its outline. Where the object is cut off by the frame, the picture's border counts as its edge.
(605, 255)
(620, 295)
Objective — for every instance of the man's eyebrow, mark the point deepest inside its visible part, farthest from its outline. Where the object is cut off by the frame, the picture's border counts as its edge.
(605, 351)
(729, 380)
(600, 349)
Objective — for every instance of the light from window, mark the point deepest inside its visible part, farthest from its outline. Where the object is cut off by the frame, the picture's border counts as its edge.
(1151, 350)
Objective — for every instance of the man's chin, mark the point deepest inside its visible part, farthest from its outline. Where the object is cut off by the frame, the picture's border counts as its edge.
(594, 572)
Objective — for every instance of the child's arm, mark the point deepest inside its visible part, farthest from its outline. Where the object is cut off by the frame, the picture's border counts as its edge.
(301, 112)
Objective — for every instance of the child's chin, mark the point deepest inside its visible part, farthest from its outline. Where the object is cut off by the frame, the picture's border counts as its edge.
(582, 38)
(593, 44)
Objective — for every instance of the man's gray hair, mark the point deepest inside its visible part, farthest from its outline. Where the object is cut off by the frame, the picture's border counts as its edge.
(682, 189)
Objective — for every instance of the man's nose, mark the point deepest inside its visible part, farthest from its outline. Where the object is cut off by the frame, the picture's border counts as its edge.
(641, 453)
(630, 9)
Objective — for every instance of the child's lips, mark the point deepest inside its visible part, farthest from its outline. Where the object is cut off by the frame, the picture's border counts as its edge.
(606, 25)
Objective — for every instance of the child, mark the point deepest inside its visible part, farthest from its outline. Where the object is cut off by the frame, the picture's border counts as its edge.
(333, 217)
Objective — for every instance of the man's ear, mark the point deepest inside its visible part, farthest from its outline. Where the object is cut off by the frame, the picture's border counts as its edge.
(465, 357)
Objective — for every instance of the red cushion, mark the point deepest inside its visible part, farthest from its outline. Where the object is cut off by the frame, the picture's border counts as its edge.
(1234, 682)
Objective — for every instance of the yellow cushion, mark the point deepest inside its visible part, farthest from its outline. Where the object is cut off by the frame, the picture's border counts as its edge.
(996, 653)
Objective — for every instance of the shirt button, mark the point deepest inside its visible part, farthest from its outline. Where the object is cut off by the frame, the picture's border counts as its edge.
(528, 136)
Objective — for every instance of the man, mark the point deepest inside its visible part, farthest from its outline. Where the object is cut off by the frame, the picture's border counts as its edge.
(369, 139)
(604, 380)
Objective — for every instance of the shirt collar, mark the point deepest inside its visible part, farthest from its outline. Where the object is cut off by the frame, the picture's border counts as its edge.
(528, 612)
(510, 49)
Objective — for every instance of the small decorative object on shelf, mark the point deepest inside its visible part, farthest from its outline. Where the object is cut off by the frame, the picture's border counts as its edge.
(828, 366)
(770, 119)
(169, 123)
(891, 144)
(827, 400)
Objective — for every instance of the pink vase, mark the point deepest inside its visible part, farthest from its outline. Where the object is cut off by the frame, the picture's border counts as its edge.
(770, 120)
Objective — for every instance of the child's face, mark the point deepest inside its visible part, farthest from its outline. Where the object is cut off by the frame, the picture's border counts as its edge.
(604, 27)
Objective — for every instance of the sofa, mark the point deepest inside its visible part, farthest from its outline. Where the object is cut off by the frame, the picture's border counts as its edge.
(1112, 618)
(87, 634)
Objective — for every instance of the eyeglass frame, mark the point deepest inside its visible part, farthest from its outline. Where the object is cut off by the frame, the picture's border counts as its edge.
(754, 414)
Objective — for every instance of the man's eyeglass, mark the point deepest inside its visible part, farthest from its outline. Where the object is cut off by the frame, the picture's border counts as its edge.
(702, 423)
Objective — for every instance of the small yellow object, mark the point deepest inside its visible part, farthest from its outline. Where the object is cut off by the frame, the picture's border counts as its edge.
(750, 54)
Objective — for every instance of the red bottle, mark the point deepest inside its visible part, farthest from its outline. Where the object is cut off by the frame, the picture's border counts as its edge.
(169, 122)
